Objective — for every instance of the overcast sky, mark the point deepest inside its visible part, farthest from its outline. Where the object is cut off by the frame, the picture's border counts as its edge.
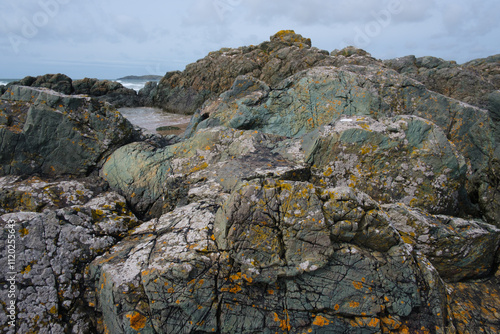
(114, 38)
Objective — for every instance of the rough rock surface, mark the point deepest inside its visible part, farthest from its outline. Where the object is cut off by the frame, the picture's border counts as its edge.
(52, 250)
(453, 80)
(107, 91)
(314, 193)
(405, 159)
(103, 90)
(50, 133)
(285, 54)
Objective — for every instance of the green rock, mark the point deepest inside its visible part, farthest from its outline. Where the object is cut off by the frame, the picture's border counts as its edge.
(404, 159)
(58, 134)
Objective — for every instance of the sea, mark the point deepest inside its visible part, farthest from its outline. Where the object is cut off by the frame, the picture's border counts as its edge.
(3, 82)
(135, 84)
(150, 119)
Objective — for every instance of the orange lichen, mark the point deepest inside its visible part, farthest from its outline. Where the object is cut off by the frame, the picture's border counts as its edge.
(321, 321)
(357, 285)
(284, 323)
(353, 304)
(137, 321)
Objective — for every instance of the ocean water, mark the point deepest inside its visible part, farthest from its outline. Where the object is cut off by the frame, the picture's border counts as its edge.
(3, 82)
(136, 85)
(152, 118)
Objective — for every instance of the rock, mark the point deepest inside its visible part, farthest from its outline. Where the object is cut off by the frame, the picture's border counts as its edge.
(322, 95)
(285, 54)
(404, 159)
(104, 90)
(444, 240)
(461, 82)
(488, 68)
(36, 195)
(311, 193)
(147, 94)
(350, 51)
(52, 250)
(58, 82)
(277, 256)
(107, 91)
(84, 86)
(156, 180)
(54, 134)
(479, 317)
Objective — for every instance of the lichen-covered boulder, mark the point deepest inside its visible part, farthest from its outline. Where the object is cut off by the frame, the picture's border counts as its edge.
(155, 180)
(35, 194)
(462, 82)
(278, 256)
(458, 248)
(403, 159)
(51, 251)
(51, 133)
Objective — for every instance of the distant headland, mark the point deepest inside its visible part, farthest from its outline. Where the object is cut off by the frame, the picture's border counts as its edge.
(142, 77)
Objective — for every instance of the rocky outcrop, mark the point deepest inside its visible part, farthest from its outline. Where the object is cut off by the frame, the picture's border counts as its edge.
(107, 91)
(470, 82)
(51, 133)
(58, 82)
(285, 54)
(326, 95)
(346, 197)
(103, 90)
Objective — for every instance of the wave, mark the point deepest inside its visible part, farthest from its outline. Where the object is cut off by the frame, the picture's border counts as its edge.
(136, 85)
(3, 82)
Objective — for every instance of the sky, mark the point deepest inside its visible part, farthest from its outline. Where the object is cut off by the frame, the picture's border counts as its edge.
(113, 38)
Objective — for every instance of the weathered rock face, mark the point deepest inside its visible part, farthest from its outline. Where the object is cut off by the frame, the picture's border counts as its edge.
(52, 134)
(52, 250)
(444, 240)
(346, 198)
(470, 82)
(261, 264)
(324, 95)
(405, 159)
(285, 54)
(156, 180)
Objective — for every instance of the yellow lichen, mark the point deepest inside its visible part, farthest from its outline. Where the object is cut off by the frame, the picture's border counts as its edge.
(137, 321)
(321, 321)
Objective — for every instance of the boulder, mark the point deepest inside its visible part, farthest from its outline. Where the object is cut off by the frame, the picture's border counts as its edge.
(277, 256)
(107, 91)
(55, 134)
(488, 67)
(52, 249)
(403, 159)
(444, 240)
(58, 82)
(156, 180)
(285, 54)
